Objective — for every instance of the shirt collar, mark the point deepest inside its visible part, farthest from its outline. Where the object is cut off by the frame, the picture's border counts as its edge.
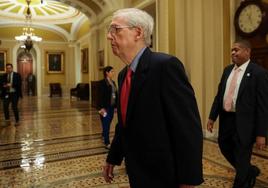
(244, 66)
(135, 61)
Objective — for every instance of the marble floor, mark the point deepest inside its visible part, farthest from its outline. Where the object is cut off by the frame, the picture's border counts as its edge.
(58, 144)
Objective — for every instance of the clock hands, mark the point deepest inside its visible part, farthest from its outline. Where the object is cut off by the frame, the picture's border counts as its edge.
(249, 18)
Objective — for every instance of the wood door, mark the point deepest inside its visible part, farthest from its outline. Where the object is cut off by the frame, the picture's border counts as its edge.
(259, 52)
(260, 56)
(25, 67)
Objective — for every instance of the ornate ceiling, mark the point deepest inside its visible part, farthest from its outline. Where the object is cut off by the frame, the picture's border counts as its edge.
(62, 17)
(48, 11)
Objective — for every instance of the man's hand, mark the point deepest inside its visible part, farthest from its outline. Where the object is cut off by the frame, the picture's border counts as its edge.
(260, 142)
(102, 111)
(108, 172)
(210, 125)
(7, 85)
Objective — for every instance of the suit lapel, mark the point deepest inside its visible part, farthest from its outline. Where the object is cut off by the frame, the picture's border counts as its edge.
(247, 75)
(226, 76)
(138, 80)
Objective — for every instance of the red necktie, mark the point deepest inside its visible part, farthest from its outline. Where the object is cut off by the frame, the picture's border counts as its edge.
(125, 94)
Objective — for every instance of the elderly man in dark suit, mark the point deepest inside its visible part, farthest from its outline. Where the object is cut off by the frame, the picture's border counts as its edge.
(11, 92)
(159, 132)
(242, 106)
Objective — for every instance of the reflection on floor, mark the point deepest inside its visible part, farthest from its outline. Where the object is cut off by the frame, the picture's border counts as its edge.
(58, 144)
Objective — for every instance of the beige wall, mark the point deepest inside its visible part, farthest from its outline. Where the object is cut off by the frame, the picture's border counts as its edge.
(64, 78)
(197, 32)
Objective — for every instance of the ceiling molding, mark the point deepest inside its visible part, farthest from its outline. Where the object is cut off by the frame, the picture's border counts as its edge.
(75, 28)
(51, 13)
(85, 8)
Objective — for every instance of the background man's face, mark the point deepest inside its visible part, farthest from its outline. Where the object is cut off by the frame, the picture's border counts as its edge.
(9, 69)
(240, 54)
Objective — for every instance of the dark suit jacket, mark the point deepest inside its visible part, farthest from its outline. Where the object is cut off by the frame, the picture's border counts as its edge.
(251, 104)
(1, 84)
(16, 84)
(162, 139)
(106, 93)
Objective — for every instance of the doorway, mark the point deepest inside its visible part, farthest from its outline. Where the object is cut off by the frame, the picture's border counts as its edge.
(25, 69)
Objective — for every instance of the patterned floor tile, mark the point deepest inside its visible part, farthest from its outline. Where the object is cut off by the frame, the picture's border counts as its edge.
(59, 145)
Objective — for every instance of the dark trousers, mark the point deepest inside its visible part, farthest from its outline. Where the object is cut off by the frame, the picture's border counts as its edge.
(106, 123)
(237, 154)
(12, 98)
(31, 89)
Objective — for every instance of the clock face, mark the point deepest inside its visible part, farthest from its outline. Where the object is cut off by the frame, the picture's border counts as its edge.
(250, 18)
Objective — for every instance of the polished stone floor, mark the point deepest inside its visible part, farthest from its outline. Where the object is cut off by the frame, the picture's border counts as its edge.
(58, 144)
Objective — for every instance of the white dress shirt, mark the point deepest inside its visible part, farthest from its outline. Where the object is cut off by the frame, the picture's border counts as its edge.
(241, 73)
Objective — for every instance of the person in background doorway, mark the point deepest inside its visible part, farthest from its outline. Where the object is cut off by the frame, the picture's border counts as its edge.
(108, 100)
(30, 84)
(242, 106)
(11, 92)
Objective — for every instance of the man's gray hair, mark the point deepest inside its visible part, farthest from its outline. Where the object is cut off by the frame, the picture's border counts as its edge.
(137, 18)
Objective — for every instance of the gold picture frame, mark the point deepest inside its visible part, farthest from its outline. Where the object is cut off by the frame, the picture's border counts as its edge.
(84, 60)
(55, 62)
(101, 59)
(3, 61)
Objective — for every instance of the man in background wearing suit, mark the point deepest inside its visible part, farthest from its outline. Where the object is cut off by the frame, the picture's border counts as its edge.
(242, 106)
(30, 79)
(11, 92)
(159, 132)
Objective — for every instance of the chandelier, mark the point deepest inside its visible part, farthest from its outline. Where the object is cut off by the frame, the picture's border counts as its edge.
(28, 36)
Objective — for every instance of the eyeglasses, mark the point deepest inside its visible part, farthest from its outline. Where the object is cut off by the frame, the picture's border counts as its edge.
(113, 29)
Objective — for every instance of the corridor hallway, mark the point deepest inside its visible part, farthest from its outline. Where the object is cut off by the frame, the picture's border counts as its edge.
(58, 144)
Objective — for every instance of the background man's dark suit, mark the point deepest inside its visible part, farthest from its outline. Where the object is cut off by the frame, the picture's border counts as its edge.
(162, 138)
(251, 115)
(14, 97)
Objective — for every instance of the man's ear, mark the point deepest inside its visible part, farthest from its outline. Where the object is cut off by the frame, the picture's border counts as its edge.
(248, 51)
(139, 33)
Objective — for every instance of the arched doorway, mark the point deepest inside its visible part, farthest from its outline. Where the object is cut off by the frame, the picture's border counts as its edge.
(25, 68)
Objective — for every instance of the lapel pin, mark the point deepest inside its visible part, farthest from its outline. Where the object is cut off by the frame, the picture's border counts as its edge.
(248, 74)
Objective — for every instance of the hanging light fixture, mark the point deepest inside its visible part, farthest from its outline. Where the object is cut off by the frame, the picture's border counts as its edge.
(28, 36)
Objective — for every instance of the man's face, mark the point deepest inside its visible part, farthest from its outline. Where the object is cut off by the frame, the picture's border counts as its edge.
(122, 37)
(9, 69)
(240, 54)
